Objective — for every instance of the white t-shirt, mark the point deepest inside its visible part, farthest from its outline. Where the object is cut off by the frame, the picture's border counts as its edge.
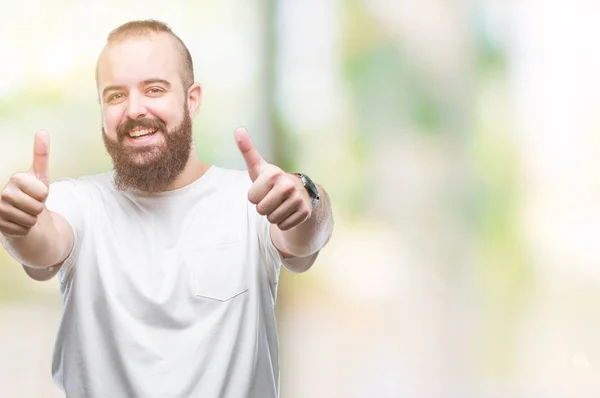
(170, 295)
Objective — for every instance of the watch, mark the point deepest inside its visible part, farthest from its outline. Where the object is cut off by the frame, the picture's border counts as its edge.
(310, 186)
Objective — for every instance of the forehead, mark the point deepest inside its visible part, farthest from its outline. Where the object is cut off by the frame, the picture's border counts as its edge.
(132, 60)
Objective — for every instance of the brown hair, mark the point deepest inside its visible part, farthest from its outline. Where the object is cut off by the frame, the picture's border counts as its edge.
(144, 27)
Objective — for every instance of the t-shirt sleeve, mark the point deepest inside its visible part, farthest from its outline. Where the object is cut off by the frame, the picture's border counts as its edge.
(65, 198)
(269, 253)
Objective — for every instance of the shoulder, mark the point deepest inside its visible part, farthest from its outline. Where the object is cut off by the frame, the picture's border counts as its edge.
(231, 189)
(230, 175)
(227, 178)
(82, 187)
(99, 178)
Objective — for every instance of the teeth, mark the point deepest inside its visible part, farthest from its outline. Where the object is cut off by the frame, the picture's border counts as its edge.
(139, 133)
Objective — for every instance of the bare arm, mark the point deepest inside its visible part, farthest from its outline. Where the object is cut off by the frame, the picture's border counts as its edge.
(297, 230)
(44, 248)
(33, 235)
(304, 241)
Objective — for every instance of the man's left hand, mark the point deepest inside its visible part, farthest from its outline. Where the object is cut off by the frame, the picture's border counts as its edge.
(278, 195)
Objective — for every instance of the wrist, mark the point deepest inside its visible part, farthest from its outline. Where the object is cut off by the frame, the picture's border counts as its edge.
(309, 187)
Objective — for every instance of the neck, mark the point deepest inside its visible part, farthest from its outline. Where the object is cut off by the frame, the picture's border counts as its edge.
(193, 170)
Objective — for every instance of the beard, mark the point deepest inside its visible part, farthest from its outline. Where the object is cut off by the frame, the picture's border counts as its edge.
(153, 168)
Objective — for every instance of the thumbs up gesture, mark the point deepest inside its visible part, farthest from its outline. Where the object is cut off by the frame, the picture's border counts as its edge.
(23, 198)
(278, 195)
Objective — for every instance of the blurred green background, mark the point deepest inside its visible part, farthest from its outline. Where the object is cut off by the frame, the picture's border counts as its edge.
(458, 141)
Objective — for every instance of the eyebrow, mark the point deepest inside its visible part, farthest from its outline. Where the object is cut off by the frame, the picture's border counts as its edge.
(144, 83)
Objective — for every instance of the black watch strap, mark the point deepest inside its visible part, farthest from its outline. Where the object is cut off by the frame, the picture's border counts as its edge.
(310, 186)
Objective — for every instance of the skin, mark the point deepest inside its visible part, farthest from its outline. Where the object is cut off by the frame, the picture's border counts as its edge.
(140, 77)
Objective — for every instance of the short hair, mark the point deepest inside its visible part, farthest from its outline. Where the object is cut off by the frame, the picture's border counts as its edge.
(144, 27)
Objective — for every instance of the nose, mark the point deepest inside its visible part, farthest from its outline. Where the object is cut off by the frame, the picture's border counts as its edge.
(135, 106)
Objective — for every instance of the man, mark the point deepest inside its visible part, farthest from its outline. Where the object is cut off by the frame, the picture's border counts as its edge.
(168, 267)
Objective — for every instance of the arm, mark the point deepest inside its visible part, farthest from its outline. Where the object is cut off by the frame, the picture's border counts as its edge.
(304, 241)
(44, 248)
(33, 235)
(47, 244)
(298, 231)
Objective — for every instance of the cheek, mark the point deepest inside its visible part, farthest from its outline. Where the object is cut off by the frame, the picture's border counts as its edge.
(168, 111)
(110, 120)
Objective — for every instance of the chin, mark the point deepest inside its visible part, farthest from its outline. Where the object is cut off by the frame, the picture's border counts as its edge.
(141, 159)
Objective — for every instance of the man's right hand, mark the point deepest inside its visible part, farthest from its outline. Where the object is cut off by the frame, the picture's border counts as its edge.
(23, 198)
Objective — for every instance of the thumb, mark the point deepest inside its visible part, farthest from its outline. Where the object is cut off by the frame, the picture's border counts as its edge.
(253, 159)
(41, 153)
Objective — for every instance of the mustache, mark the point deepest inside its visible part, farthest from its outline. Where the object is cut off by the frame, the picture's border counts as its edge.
(124, 128)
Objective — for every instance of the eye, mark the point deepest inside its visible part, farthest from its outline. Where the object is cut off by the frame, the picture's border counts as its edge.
(115, 97)
(155, 91)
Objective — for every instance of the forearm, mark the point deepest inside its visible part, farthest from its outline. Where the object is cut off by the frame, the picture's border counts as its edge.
(310, 236)
(39, 248)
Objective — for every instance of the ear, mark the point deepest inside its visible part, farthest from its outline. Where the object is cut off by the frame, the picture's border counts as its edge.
(194, 98)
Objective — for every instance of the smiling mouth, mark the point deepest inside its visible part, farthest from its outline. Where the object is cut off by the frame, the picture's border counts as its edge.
(143, 132)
